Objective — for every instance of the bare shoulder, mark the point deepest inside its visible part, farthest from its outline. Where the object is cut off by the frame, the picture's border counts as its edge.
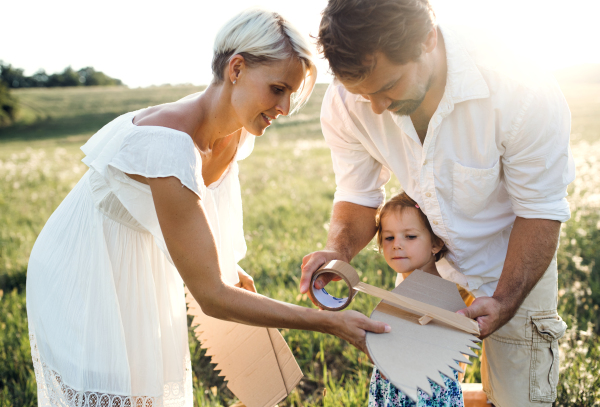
(178, 115)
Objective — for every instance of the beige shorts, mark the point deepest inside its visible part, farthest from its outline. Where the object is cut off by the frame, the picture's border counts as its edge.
(519, 366)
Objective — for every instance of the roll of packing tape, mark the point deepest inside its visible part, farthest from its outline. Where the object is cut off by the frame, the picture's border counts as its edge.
(343, 270)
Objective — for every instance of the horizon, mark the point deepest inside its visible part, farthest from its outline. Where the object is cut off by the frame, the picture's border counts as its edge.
(161, 55)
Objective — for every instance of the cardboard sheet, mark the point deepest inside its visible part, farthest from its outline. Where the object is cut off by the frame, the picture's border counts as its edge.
(427, 337)
(257, 363)
(411, 353)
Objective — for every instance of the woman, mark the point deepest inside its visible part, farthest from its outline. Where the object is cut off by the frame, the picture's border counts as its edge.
(160, 206)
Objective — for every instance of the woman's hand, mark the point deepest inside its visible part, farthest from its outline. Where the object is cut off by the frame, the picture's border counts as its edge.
(246, 281)
(352, 326)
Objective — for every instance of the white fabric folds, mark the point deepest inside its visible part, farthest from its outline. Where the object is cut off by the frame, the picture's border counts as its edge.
(106, 306)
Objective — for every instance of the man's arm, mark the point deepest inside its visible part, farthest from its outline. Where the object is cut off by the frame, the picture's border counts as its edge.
(359, 187)
(352, 227)
(531, 247)
(538, 167)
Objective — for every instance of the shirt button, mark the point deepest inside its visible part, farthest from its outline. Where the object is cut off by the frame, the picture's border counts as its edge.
(425, 162)
(435, 222)
(428, 194)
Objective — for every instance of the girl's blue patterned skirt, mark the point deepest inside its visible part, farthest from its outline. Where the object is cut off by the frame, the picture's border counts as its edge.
(382, 393)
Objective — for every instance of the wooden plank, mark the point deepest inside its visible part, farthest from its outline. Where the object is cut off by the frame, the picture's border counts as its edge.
(425, 319)
(474, 396)
(448, 317)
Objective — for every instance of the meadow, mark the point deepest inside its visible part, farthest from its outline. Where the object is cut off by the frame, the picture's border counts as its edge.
(287, 187)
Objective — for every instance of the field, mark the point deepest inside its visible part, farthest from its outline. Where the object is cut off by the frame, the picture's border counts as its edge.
(287, 186)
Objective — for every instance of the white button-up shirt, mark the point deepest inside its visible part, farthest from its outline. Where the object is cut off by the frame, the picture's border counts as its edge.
(497, 147)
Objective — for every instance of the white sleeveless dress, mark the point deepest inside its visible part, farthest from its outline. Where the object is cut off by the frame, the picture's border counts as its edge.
(106, 306)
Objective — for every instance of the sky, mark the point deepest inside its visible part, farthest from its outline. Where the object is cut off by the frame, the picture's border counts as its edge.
(150, 42)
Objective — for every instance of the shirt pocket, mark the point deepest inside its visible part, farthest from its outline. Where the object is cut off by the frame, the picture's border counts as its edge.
(472, 188)
(543, 375)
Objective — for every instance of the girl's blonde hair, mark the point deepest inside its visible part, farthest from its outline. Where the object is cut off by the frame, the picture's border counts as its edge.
(261, 37)
(399, 203)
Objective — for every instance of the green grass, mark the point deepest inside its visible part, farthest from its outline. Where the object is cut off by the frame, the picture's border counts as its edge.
(287, 187)
(46, 113)
(584, 102)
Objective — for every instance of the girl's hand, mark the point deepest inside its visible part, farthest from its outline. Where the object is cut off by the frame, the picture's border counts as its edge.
(246, 281)
(352, 326)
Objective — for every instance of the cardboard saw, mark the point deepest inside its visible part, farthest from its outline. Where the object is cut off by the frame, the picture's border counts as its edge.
(427, 336)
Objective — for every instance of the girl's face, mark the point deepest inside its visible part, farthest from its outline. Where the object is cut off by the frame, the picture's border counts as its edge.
(407, 244)
(263, 92)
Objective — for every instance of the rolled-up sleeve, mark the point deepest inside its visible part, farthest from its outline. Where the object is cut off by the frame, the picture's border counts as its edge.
(359, 177)
(538, 164)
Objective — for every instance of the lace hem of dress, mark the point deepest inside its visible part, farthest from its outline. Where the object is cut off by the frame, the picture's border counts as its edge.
(53, 392)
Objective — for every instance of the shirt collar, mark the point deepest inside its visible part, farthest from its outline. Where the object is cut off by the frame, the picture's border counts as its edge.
(464, 81)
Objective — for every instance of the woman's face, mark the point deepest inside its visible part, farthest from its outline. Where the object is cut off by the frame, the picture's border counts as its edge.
(263, 92)
(407, 244)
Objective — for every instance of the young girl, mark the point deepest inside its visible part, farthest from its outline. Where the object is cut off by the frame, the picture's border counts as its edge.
(408, 243)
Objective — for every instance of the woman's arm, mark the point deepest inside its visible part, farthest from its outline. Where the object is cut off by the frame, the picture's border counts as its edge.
(190, 242)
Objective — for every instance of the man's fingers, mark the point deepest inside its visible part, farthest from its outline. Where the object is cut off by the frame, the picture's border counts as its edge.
(466, 312)
(486, 311)
(308, 269)
(324, 279)
(305, 281)
(305, 260)
(474, 311)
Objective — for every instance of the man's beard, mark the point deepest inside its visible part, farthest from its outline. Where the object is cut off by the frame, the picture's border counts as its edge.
(408, 106)
(405, 107)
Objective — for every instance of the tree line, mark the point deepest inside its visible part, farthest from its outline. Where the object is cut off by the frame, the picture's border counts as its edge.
(88, 76)
(12, 78)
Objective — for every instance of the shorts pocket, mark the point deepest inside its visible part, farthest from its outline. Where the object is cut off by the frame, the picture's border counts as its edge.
(472, 188)
(546, 330)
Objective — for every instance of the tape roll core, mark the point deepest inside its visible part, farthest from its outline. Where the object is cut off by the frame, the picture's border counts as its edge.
(326, 300)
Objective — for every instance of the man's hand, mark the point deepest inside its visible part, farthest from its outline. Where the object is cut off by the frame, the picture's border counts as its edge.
(312, 262)
(352, 227)
(531, 246)
(489, 313)
(246, 282)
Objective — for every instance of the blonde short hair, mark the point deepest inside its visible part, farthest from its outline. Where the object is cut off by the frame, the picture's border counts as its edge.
(262, 36)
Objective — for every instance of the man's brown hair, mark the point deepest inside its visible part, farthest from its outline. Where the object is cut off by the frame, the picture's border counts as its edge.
(352, 31)
(399, 203)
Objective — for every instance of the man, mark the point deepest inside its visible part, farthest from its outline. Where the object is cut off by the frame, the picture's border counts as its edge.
(481, 141)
